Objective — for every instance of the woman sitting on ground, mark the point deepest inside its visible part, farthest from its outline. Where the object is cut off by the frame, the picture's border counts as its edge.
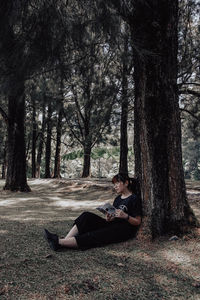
(90, 230)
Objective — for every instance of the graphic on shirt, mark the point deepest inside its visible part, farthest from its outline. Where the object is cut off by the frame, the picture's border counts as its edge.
(123, 207)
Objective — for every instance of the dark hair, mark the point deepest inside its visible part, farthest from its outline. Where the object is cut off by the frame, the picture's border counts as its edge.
(133, 183)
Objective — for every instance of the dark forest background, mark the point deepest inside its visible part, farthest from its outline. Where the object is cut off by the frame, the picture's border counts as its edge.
(77, 70)
(90, 88)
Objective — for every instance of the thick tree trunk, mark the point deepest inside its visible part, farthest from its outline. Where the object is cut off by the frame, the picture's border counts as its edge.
(34, 132)
(58, 144)
(123, 165)
(16, 172)
(41, 140)
(48, 144)
(157, 139)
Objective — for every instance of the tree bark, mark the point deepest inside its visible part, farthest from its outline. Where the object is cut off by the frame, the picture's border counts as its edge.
(41, 140)
(87, 158)
(4, 165)
(123, 165)
(34, 133)
(58, 144)
(48, 143)
(16, 172)
(158, 154)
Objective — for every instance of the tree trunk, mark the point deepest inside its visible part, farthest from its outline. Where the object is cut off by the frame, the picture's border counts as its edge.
(87, 158)
(16, 172)
(4, 165)
(123, 165)
(34, 132)
(158, 154)
(48, 143)
(58, 144)
(41, 140)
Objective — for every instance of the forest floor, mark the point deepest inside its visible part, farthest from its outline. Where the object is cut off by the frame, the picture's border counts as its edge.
(163, 269)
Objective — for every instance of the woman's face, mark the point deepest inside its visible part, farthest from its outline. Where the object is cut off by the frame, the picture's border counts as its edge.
(120, 187)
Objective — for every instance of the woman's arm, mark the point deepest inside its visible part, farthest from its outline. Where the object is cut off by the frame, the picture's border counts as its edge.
(135, 221)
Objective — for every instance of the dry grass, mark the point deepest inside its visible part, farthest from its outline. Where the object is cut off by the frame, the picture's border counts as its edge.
(132, 270)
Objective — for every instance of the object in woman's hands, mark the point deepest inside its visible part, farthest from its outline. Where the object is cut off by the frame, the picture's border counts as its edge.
(107, 208)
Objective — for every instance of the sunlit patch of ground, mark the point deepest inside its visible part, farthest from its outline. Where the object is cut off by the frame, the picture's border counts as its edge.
(48, 197)
(131, 270)
(193, 192)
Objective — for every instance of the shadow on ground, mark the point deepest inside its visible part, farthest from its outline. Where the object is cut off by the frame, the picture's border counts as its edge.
(131, 270)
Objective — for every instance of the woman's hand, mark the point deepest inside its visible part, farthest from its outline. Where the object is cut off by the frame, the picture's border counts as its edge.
(109, 217)
(120, 214)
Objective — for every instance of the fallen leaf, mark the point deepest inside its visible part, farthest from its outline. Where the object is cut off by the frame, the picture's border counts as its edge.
(48, 256)
(173, 238)
(66, 289)
(196, 284)
(4, 290)
(120, 265)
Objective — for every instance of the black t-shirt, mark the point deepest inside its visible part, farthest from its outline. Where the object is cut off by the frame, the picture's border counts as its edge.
(130, 205)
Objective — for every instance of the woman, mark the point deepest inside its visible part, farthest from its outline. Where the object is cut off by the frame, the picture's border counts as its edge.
(90, 230)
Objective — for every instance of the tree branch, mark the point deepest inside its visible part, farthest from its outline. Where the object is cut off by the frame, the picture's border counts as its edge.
(77, 104)
(190, 113)
(189, 83)
(72, 131)
(189, 91)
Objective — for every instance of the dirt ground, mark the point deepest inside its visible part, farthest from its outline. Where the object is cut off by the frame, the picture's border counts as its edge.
(163, 269)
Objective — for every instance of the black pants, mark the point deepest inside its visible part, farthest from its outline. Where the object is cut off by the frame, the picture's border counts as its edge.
(95, 231)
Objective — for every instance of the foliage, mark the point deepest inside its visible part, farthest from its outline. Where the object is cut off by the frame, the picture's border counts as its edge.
(73, 155)
(105, 162)
(95, 154)
(82, 41)
(91, 95)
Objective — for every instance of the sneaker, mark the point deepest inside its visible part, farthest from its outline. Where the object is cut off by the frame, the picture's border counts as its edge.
(52, 240)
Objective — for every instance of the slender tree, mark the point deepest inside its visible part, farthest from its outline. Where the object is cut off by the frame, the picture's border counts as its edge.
(48, 142)
(41, 137)
(93, 92)
(34, 137)
(59, 132)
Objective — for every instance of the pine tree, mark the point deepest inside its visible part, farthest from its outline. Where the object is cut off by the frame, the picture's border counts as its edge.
(59, 126)
(23, 51)
(92, 92)
(158, 154)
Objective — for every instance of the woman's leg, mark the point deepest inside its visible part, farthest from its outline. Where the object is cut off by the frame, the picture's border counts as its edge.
(85, 222)
(115, 232)
(55, 243)
(88, 221)
(73, 232)
(68, 242)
